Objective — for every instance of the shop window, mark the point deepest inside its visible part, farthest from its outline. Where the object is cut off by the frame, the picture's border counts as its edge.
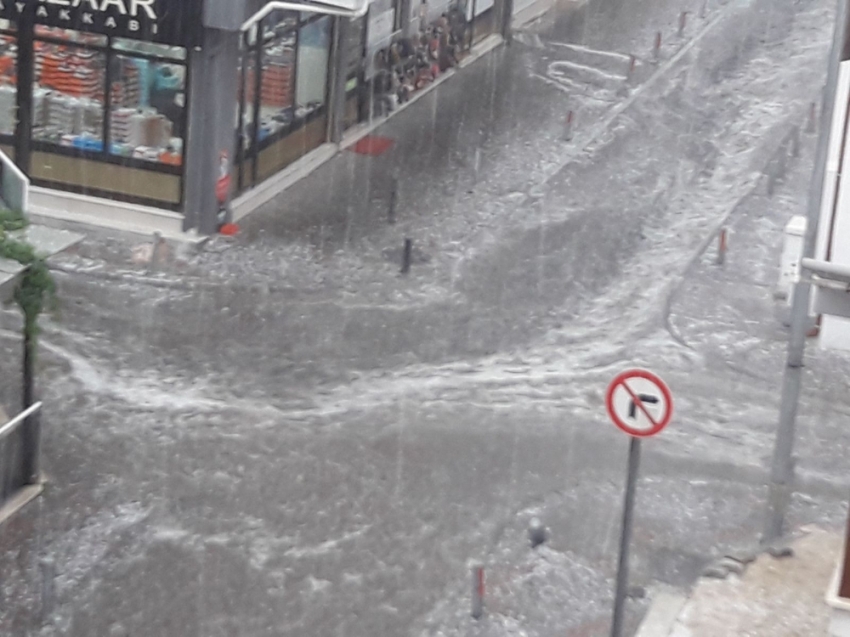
(8, 83)
(68, 95)
(149, 48)
(279, 24)
(247, 93)
(277, 86)
(147, 109)
(73, 37)
(312, 72)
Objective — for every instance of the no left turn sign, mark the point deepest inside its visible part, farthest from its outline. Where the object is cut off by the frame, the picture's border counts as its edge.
(639, 403)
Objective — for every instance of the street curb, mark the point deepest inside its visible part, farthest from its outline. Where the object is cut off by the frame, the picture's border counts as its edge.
(775, 144)
(252, 200)
(22, 498)
(662, 615)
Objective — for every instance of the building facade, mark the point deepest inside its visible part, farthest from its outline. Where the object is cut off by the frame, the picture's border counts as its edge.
(174, 105)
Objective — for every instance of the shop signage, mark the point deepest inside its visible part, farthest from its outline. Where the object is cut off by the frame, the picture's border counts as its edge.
(174, 22)
(381, 27)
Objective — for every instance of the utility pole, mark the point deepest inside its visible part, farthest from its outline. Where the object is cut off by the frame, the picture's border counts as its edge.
(782, 468)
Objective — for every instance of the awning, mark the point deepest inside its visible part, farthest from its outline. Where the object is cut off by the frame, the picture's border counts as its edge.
(344, 8)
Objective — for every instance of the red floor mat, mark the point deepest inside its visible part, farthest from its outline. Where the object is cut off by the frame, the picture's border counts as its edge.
(373, 145)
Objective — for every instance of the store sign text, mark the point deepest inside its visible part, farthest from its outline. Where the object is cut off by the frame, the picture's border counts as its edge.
(156, 20)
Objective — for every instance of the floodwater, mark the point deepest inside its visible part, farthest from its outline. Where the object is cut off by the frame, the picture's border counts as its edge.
(280, 434)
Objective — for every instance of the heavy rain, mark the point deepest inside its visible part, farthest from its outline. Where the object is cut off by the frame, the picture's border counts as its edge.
(285, 429)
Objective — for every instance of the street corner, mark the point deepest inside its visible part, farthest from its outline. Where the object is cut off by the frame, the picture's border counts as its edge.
(762, 595)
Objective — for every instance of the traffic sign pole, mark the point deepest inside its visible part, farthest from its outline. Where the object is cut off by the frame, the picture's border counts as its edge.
(626, 538)
(639, 404)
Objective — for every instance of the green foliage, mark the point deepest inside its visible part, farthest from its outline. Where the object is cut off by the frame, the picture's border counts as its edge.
(36, 288)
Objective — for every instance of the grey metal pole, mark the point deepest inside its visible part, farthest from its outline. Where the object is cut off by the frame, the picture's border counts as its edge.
(782, 468)
(626, 538)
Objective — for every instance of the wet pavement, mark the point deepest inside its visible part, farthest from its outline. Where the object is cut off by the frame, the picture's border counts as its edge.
(282, 435)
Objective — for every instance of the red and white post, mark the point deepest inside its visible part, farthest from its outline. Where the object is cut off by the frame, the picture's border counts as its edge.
(722, 245)
(632, 66)
(477, 591)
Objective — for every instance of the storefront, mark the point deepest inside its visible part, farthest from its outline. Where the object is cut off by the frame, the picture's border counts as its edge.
(112, 99)
(177, 107)
(100, 87)
(283, 93)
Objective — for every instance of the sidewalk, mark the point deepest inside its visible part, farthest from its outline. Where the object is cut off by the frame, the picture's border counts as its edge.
(772, 597)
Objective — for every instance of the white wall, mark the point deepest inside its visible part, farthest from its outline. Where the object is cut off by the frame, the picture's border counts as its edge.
(835, 331)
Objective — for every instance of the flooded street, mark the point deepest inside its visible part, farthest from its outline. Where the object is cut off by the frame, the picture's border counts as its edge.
(280, 434)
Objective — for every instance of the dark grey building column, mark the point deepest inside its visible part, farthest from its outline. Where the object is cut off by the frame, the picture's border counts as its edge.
(507, 19)
(212, 110)
(339, 72)
(212, 117)
(407, 8)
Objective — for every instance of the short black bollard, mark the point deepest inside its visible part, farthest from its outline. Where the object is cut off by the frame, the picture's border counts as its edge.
(406, 256)
(391, 213)
(812, 124)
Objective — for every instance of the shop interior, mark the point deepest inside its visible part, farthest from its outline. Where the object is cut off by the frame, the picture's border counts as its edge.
(100, 99)
(282, 109)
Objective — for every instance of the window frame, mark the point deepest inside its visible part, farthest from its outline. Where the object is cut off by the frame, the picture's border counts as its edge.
(105, 155)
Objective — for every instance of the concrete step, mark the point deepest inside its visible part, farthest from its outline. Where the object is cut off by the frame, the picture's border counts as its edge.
(53, 205)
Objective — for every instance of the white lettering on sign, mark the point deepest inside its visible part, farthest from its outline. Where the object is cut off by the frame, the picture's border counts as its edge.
(118, 4)
(147, 5)
(116, 16)
(92, 4)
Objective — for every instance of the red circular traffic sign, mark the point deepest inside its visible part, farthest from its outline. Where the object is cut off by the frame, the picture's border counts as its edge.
(639, 403)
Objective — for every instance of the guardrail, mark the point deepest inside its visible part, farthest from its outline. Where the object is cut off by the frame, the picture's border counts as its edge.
(15, 463)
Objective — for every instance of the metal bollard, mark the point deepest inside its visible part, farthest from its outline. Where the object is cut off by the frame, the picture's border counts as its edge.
(632, 67)
(795, 142)
(568, 130)
(812, 124)
(477, 591)
(391, 212)
(406, 256)
(722, 245)
(47, 566)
